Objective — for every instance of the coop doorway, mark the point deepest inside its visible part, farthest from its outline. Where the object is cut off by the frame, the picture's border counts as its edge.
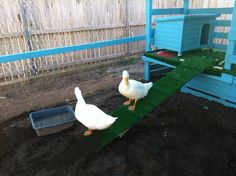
(205, 34)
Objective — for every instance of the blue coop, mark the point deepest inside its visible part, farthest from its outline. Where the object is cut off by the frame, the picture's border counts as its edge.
(192, 33)
(185, 32)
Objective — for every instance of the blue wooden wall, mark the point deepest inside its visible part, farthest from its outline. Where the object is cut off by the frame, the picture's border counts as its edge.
(185, 10)
(183, 33)
(169, 34)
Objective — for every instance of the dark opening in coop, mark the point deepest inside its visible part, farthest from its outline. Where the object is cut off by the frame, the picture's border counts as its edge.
(205, 34)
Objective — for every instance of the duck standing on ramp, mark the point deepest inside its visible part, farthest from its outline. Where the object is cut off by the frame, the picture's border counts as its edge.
(132, 89)
(91, 116)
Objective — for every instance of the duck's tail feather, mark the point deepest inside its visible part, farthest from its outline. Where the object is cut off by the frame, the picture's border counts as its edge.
(108, 123)
(113, 120)
(148, 85)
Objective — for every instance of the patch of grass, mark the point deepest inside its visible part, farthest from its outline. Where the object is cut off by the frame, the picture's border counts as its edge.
(131, 61)
(102, 70)
(128, 60)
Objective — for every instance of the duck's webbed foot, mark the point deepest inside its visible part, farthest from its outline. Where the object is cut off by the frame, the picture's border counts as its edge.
(127, 102)
(132, 108)
(88, 132)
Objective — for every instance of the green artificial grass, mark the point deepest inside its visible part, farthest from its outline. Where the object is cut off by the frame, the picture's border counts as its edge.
(160, 92)
(202, 53)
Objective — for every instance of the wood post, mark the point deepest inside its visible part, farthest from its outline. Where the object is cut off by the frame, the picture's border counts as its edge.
(23, 16)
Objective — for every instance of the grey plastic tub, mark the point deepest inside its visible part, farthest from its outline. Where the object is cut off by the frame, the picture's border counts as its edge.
(52, 120)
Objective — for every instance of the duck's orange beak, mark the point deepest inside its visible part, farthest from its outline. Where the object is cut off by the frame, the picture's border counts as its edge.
(126, 81)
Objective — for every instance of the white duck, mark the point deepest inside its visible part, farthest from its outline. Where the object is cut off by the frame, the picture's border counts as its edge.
(91, 116)
(132, 89)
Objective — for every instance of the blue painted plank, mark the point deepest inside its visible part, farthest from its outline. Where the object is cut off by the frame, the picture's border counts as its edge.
(190, 43)
(209, 97)
(218, 88)
(170, 47)
(227, 78)
(225, 23)
(168, 35)
(220, 46)
(228, 10)
(231, 59)
(168, 41)
(169, 31)
(152, 32)
(148, 28)
(231, 50)
(190, 37)
(167, 11)
(233, 23)
(192, 32)
(170, 44)
(146, 69)
(232, 35)
(152, 40)
(148, 59)
(223, 35)
(186, 6)
(186, 17)
(174, 25)
(52, 51)
(190, 46)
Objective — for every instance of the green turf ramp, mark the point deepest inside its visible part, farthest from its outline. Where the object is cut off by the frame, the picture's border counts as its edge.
(160, 92)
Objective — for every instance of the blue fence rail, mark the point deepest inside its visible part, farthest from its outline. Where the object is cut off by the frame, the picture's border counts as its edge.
(65, 49)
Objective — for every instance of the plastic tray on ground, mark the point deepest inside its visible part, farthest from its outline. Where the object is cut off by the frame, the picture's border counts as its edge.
(52, 120)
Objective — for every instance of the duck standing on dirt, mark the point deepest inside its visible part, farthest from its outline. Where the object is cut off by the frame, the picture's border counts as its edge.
(91, 116)
(133, 89)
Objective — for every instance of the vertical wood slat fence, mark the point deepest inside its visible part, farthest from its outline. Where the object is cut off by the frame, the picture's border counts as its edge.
(35, 24)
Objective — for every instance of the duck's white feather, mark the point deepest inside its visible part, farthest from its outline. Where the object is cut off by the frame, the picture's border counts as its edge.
(134, 90)
(90, 115)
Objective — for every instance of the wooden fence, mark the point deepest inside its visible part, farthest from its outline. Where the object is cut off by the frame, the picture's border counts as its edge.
(36, 24)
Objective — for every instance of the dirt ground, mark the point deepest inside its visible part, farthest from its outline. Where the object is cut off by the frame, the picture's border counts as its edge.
(184, 136)
(53, 90)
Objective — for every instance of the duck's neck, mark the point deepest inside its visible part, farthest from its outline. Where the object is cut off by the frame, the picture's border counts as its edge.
(80, 99)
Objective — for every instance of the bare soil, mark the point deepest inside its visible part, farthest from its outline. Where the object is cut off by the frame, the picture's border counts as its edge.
(184, 136)
(53, 90)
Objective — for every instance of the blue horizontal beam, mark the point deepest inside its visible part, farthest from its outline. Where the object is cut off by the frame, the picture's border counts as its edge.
(167, 11)
(220, 46)
(228, 10)
(157, 62)
(223, 35)
(225, 23)
(65, 49)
